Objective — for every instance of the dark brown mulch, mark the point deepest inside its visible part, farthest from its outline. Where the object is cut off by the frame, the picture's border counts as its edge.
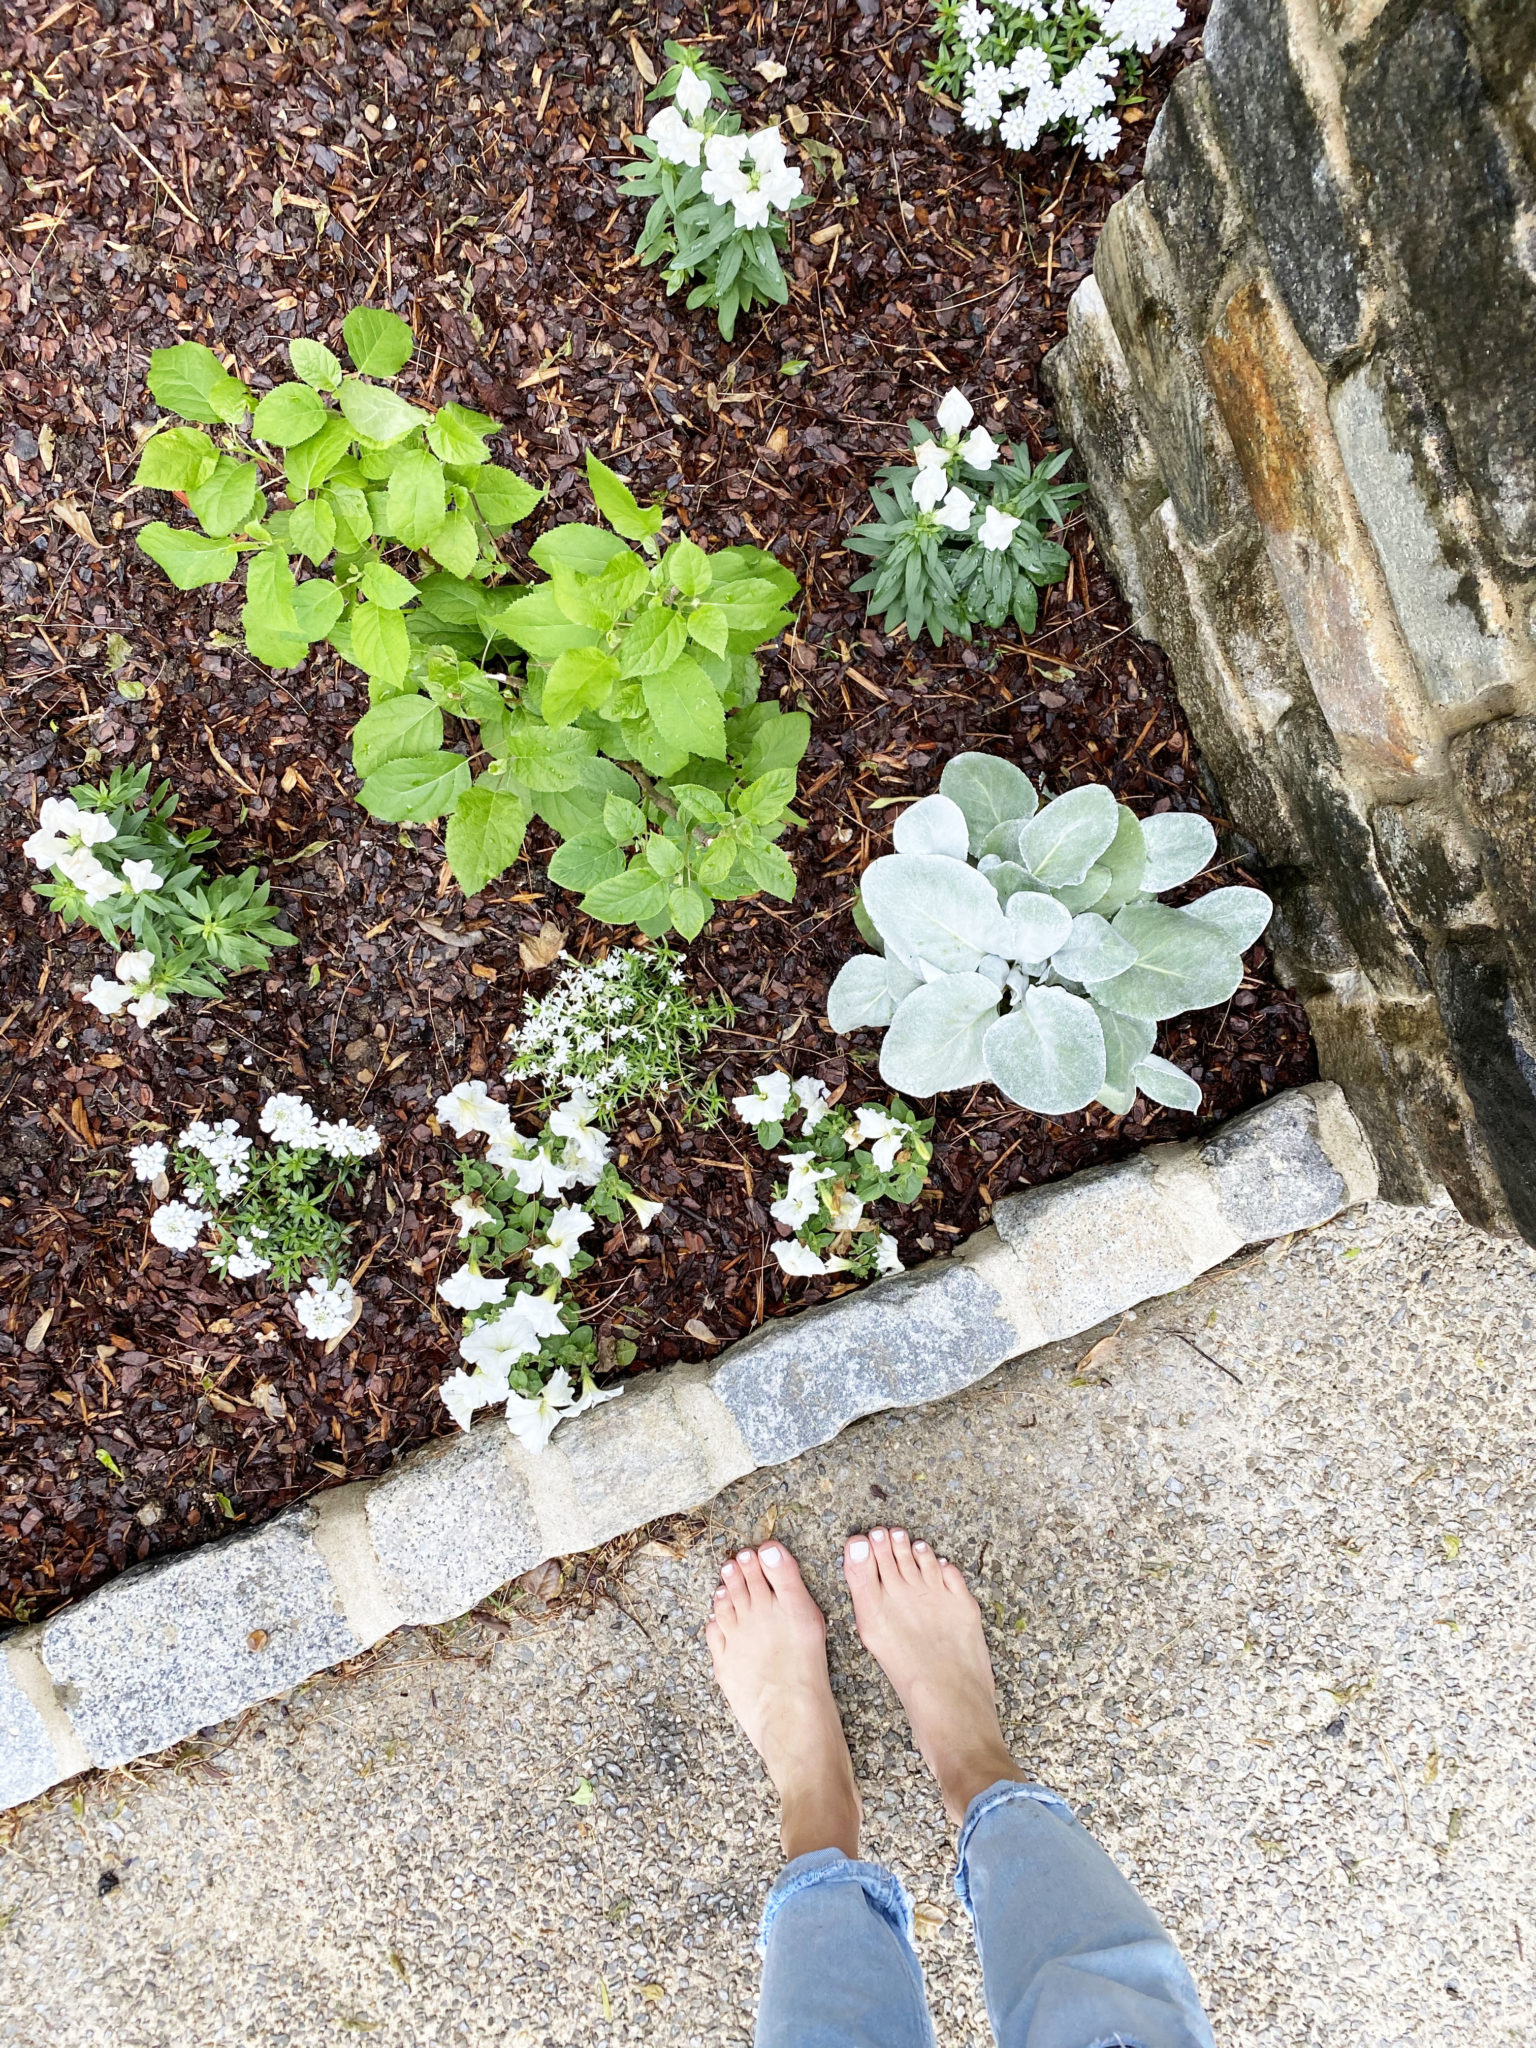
(242, 179)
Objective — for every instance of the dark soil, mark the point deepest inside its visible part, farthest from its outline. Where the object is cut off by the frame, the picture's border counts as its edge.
(162, 171)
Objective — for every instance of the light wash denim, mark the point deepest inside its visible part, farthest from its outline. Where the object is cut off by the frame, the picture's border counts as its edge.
(1070, 1955)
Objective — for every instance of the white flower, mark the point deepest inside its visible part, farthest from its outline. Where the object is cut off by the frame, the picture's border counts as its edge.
(290, 1120)
(956, 511)
(972, 22)
(107, 996)
(514, 1334)
(506, 1147)
(538, 1174)
(692, 91)
(146, 1008)
(980, 110)
(929, 489)
(812, 1097)
(245, 1262)
(845, 1215)
(225, 1150)
(148, 1161)
(142, 877)
(770, 169)
(1019, 128)
(1043, 106)
(470, 1107)
(64, 829)
(1101, 136)
(587, 1150)
(883, 1133)
(463, 1392)
(533, 1421)
(724, 179)
(931, 455)
(997, 529)
(676, 142)
(134, 968)
(887, 1257)
(645, 1211)
(94, 882)
(349, 1141)
(1030, 67)
(1082, 89)
(979, 449)
(1143, 25)
(468, 1289)
(178, 1225)
(567, 1227)
(327, 1310)
(767, 1102)
(800, 1262)
(800, 1200)
(470, 1214)
(955, 412)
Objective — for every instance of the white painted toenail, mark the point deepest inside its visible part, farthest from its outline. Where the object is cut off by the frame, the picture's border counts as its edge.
(858, 1550)
(898, 1535)
(726, 1569)
(773, 1555)
(742, 1556)
(921, 1545)
(878, 1535)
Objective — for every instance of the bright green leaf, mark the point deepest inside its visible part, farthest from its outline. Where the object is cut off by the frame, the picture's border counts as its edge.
(458, 435)
(484, 836)
(626, 898)
(579, 681)
(269, 592)
(312, 528)
(583, 863)
(709, 626)
(395, 729)
(380, 642)
(624, 822)
(387, 586)
(378, 341)
(317, 606)
(456, 544)
(416, 789)
(314, 362)
(617, 503)
(585, 550)
(690, 911)
(287, 415)
(189, 379)
(686, 566)
(417, 499)
(502, 497)
(378, 415)
(176, 459)
(224, 503)
(189, 559)
(686, 708)
(653, 642)
(312, 461)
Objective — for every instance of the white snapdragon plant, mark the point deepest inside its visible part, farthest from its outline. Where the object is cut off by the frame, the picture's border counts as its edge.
(718, 196)
(516, 1206)
(621, 1029)
(120, 868)
(1048, 67)
(1022, 943)
(845, 1161)
(265, 1209)
(958, 539)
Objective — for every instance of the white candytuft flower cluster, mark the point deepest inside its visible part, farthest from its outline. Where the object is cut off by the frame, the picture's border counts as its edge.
(263, 1211)
(1035, 68)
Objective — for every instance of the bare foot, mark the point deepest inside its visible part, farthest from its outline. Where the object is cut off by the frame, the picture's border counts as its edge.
(769, 1645)
(919, 1621)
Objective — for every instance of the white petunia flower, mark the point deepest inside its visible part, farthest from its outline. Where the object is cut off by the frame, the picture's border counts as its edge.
(799, 1262)
(676, 142)
(533, 1420)
(470, 1107)
(997, 530)
(979, 449)
(537, 1174)
(470, 1214)
(930, 489)
(1101, 136)
(883, 1133)
(463, 1392)
(956, 511)
(567, 1227)
(327, 1310)
(767, 1102)
(468, 1289)
(955, 412)
(692, 92)
(887, 1257)
(847, 1211)
(525, 1321)
(586, 1150)
(142, 877)
(290, 1121)
(812, 1097)
(178, 1225)
(800, 1200)
(646, 1211)
(148, 1161)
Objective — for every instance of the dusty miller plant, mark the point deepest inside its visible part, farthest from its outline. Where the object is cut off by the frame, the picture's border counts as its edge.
(1022, 943)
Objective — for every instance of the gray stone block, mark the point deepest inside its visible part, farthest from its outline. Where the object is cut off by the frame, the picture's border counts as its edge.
(1430, 865)
(1496, 776)
(165, 1650)
(911, 1338)
(452, 1523)
(1270, 1171)
(28, 1764)
(1494, 1039)
(1192, 190)
(1274, 95)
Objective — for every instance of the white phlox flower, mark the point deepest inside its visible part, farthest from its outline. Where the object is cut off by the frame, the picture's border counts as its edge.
(468, 1289)
(800, 1200)
(956, 511)
(290, 1121)
(955, 412)
(63, 829)
(887, 1257)
(1101, 136)
(676, 142)
(1083, 89)
(516, 1333)
(327, 1309)
(812, 1097)
(470, 1214)
(178, 1225)
(930, 488)
(931, 455)
(799, 1262)
(846, 1211)
(533, 1420)
(883, 1133)
(997, 529)
(972, 22)
(567, 1227)
(470, 1107)
(767, 1102)
(349, 1141)
(979, 449)
(692, 91)
(1018, 129)
(142, 877)
(149, 1161)
(1143, 25)
(463, 1392)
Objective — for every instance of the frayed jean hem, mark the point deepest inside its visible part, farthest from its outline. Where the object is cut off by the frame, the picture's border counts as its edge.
(885, 1892)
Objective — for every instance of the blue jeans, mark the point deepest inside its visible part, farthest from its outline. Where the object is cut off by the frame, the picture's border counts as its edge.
(1070, 1955)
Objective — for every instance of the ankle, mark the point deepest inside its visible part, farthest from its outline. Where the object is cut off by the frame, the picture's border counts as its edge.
(823, 1821)
(965, 1774)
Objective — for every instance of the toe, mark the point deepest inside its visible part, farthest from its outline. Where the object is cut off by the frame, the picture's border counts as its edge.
(714, 1636)
(901, 1553)
(730, 1596)
(883, 1552)
(779, 1568)
(753, 1581)
(927, 1563)
(859, 1566)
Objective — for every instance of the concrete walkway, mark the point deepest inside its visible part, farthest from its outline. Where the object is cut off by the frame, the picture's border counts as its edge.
(1260, 1584)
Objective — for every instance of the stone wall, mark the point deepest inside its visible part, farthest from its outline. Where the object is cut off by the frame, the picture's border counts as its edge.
(1302, 385)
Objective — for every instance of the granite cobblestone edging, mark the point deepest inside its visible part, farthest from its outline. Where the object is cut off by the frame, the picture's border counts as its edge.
(169, 1648)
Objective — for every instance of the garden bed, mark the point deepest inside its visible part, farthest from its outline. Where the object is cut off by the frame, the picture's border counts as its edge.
(156, 185)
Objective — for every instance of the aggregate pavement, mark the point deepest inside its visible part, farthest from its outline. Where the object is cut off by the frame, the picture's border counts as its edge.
(1258, 1578)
